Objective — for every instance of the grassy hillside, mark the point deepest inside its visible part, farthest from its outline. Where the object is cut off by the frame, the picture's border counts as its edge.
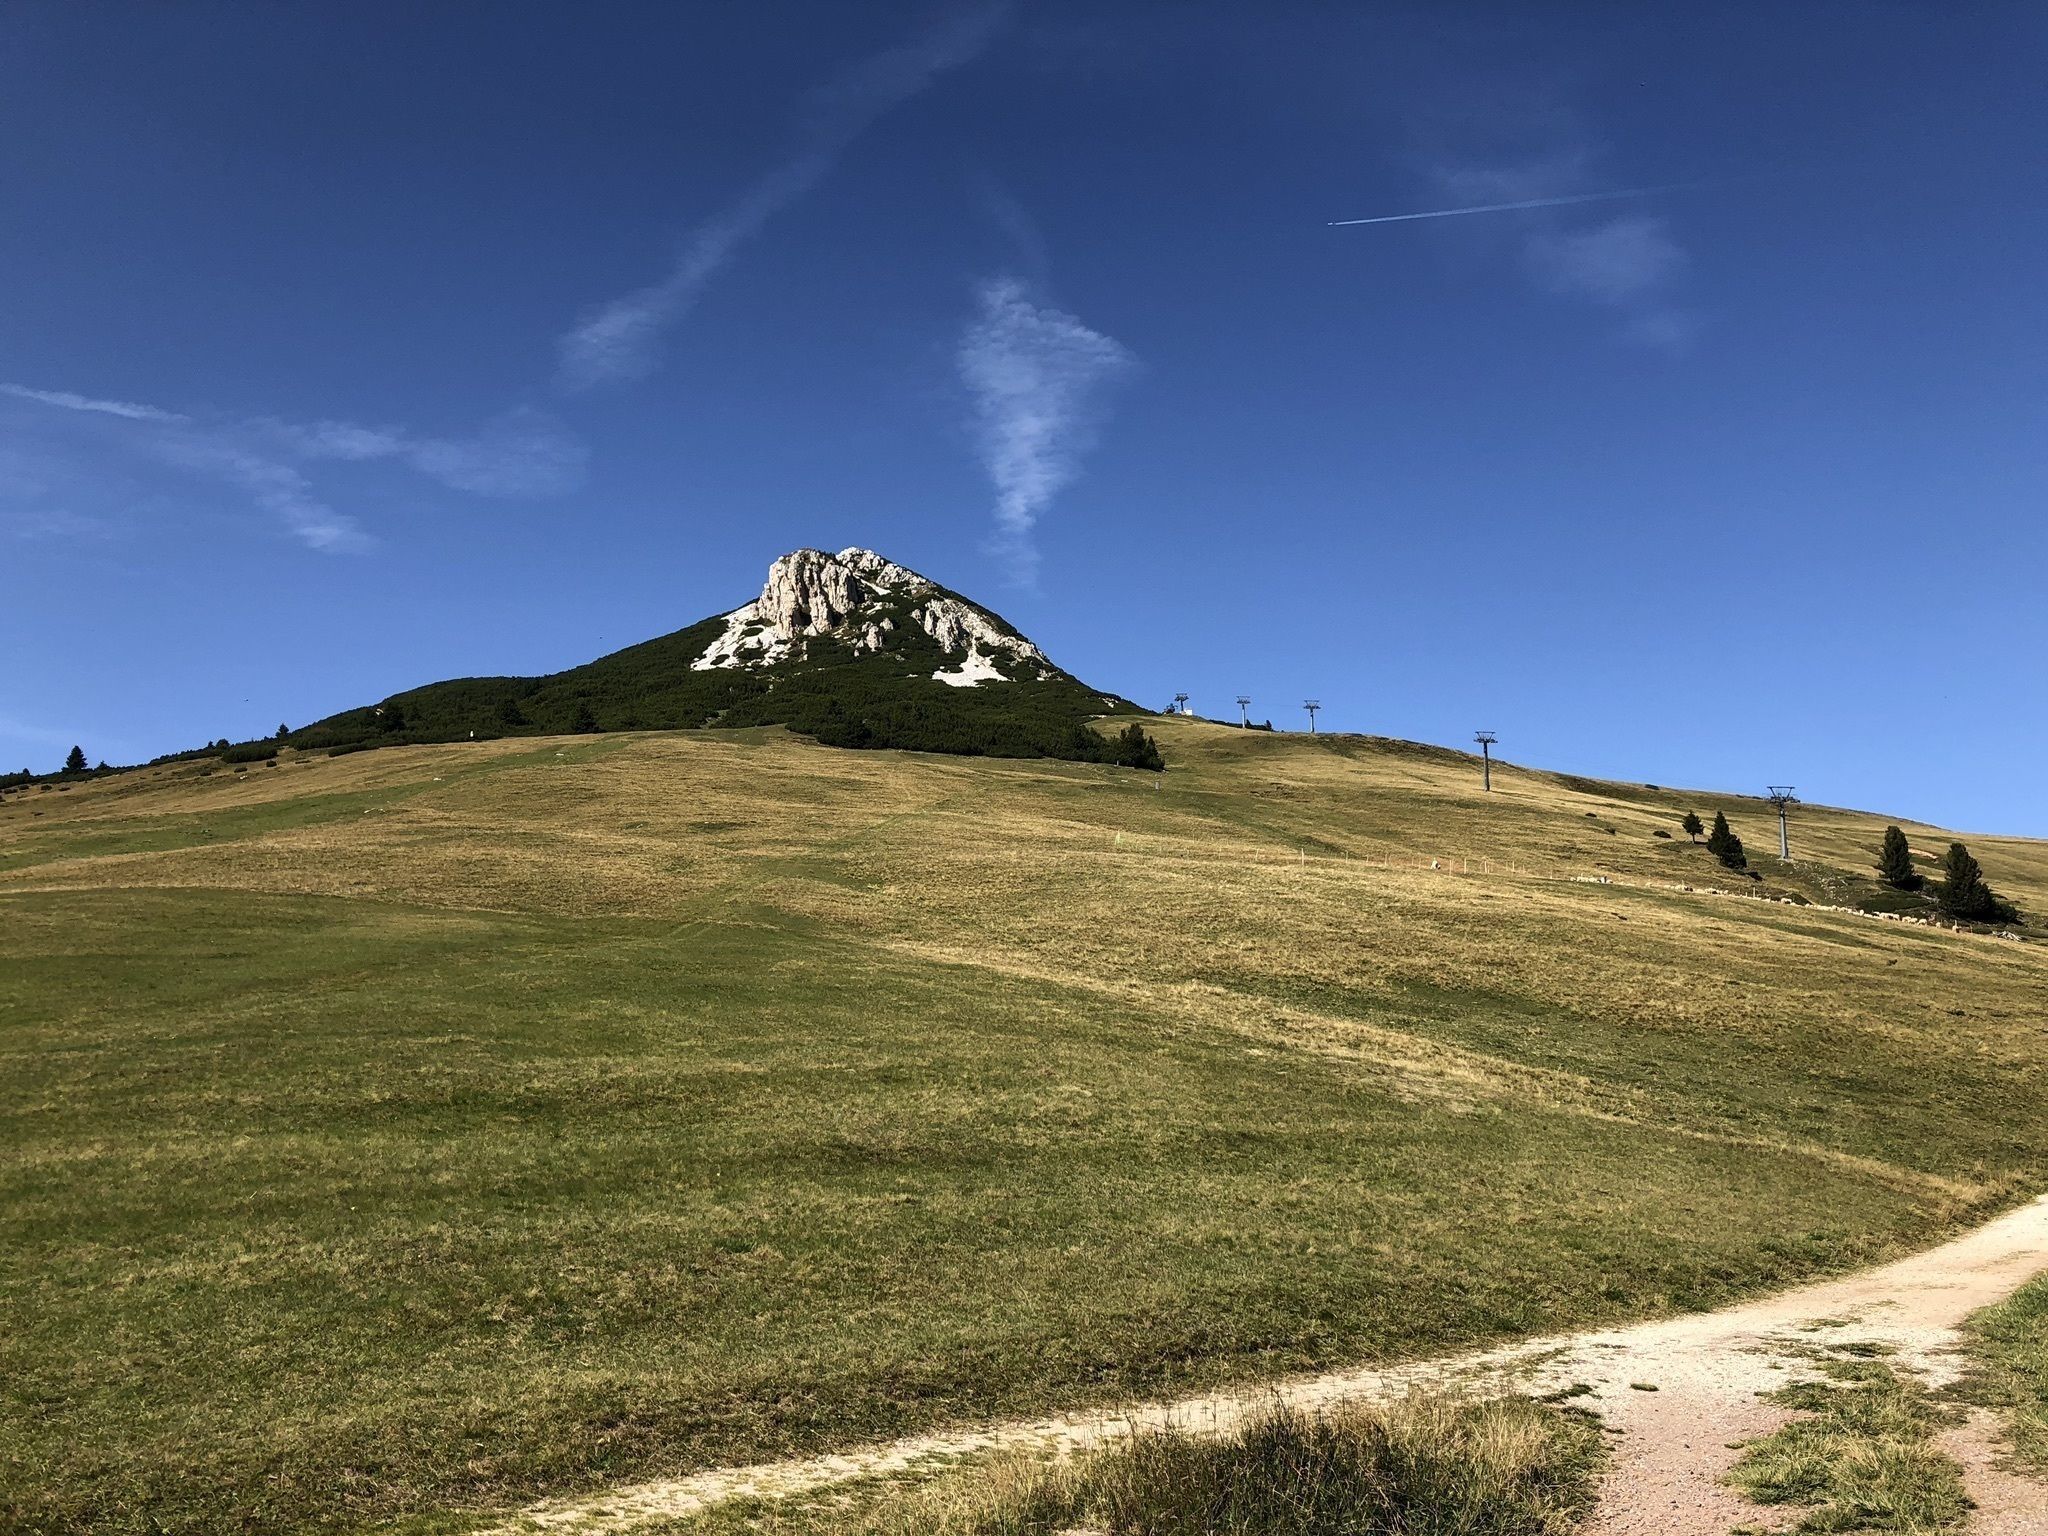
(416, 1131)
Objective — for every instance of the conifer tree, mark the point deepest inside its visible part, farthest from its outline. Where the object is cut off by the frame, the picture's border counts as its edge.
(585, 723)
(1895, 862)
(1691, 825)
(1724, 845)
(1963, 892)
(1134, 749)
(74, 761)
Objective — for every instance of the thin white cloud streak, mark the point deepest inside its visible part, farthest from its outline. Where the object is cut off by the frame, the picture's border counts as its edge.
(53, 523)
(63, 399)
(277, 488)
(1037, 378)
(523, 453)
(1020, 232)
(1527, 202)
(1630, 265)
(619, 340)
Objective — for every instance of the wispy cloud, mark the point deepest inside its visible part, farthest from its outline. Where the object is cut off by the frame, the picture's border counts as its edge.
(1024, 242)
(37, 523)
(276, 487)
(1632, 265)
(619, 340)
(1537, 164)
(523, 453)
(65, 400)
(1037, 377)
(1628, 265)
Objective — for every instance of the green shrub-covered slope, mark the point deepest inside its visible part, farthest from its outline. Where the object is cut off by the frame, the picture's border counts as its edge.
(843, 698)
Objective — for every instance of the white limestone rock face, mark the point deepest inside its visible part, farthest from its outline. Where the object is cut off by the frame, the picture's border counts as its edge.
(810, 592)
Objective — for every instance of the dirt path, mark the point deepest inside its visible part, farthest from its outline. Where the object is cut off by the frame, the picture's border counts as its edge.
(1672, 1443)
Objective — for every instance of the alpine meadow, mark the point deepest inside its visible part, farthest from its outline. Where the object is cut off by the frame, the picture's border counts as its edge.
(416, 1132)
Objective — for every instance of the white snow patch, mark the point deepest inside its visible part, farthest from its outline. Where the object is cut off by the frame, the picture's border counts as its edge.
(975, 668)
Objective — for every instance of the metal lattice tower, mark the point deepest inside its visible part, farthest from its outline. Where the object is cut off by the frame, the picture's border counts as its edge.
(1311, 705)
(1782, 797)
(1486, 739)
(1244, 709)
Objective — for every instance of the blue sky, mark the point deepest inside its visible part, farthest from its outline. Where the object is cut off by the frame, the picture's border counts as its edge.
(347, 348)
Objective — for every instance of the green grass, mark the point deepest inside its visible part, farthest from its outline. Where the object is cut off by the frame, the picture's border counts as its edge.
(1861, 1455)
(456, 1126)
(2009, 1356)
(1426, 1467)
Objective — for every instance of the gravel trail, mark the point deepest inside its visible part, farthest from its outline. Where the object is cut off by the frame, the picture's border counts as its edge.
(1677, 1392)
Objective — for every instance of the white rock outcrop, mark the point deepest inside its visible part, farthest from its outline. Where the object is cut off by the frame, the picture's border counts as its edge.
(810, 592)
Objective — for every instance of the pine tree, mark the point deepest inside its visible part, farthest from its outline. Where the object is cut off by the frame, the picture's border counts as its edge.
(282, 732)
(74, 761)
(1134, 749)
(1691, 825)
(1724, 845)
(585, 723)
(1963, 892)
(1895, 862)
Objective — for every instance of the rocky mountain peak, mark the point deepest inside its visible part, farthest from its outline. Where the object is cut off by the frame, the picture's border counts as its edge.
(860, 598)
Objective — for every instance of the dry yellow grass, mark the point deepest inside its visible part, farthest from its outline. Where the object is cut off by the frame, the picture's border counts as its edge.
(440, 1126)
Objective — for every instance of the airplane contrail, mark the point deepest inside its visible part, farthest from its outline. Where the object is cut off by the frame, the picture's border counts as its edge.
(1531, 202)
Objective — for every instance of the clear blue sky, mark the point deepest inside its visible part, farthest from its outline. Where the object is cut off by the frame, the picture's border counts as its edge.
(350, 347)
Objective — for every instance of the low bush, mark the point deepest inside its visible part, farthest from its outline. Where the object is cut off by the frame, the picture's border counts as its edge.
(1426, 1467)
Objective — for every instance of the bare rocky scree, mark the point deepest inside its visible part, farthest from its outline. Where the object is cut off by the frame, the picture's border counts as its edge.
(810, 593)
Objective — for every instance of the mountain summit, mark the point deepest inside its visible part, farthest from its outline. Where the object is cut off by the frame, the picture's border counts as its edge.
(859, 599)
(851, 648)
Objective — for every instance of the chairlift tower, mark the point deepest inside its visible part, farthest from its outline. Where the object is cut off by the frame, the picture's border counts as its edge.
(1180, 703)
(1244, 710)
(1782, 797)
(1486, 739)
(1311, 705)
